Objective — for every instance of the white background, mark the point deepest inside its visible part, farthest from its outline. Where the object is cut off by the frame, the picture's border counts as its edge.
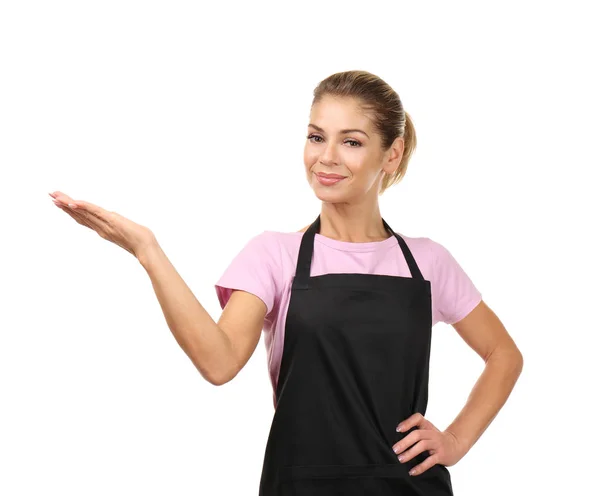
(191, 118)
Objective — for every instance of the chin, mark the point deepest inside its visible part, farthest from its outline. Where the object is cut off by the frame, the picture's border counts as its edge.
(330, 196)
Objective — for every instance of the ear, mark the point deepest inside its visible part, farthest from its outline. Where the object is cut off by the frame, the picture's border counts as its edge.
(394, 156)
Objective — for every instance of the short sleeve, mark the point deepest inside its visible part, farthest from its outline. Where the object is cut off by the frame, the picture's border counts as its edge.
(254, 269)
(454, 294)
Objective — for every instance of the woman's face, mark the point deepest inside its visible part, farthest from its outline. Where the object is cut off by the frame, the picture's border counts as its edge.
(341, 141)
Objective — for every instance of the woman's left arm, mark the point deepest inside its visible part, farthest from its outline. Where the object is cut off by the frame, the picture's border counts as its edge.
(483, 331)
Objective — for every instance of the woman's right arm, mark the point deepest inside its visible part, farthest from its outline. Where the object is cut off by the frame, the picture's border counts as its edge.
(220, 349)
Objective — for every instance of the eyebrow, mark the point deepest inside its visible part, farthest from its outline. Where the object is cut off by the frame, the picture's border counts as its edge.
(343, 131)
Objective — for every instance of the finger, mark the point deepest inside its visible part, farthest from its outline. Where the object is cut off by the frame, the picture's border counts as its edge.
(101, 227)
(420, 447)
(78, 218)
(58, 203)
(87, 207)
(91, 209)
(101, 219)
(412, 421)
(429, 462)
(74, 213)
(410, 439)
(58, 195)
(98, 223)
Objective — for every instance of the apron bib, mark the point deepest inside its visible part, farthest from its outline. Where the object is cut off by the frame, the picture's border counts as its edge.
(355, 364)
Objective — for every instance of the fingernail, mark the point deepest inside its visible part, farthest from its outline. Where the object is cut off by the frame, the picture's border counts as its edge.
(412, 472)
(400, 458)
(399, 428)
(72, 205)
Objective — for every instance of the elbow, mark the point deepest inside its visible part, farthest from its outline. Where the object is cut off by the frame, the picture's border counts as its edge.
(217, 368)
(517, 358)
(509, 358)
(513, 360)
(218, 378)
(213, 378)
(218, 381)
(519, 361)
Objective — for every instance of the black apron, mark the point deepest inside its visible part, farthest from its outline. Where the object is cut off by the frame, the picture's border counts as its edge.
(355, 364)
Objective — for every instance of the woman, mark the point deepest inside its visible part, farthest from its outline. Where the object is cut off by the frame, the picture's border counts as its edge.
(348, 305)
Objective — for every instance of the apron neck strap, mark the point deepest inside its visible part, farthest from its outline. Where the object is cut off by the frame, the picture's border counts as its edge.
(307, 247)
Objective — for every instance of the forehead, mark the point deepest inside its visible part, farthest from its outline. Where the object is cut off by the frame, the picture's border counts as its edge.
(333, 113)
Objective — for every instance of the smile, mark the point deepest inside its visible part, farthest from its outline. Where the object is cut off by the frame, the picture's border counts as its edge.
(329, 181)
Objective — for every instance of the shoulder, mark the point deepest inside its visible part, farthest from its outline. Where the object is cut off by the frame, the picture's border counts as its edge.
(441, 255)
(256, 268)
(281, 240)
(268, 240)
(454, 293)
(426, 248)
(259, 252)
(264, 244)
(432, 257)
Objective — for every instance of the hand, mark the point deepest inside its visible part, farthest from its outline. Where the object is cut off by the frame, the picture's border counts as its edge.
(109, 225)
(444, 447)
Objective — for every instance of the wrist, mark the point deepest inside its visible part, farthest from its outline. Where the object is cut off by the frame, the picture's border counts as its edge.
(462, 444)
(148, 252)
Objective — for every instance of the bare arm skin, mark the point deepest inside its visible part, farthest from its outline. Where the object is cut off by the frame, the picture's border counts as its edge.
(483, 331)
(487, 336)
(220, 349)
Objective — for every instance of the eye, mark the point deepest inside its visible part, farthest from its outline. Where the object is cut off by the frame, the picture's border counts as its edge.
(355, 143)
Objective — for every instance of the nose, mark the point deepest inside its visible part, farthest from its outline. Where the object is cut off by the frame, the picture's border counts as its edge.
(329, 156)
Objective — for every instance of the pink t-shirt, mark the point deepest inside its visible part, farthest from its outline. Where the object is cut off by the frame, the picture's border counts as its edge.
(266, 266)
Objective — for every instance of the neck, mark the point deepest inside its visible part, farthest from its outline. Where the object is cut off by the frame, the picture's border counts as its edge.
(352, 224)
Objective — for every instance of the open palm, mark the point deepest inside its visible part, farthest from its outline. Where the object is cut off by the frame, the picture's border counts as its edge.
(111, 226)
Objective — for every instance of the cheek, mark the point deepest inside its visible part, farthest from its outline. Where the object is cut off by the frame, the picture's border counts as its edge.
(362, 176)
(310, 157)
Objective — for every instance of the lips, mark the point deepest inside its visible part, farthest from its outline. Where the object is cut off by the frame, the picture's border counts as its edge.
(329, 179)
(330, 176)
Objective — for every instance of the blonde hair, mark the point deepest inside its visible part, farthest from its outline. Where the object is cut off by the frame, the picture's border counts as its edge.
(383, 106)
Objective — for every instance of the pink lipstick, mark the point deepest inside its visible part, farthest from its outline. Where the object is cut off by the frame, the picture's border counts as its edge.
(329, 179)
